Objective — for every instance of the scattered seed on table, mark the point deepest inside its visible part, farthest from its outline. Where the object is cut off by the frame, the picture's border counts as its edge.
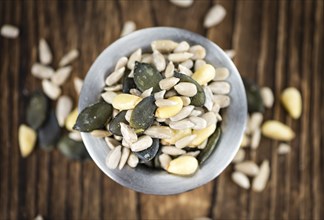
(45, 54)
(249, 168)
(277, 131)
(292, 101)
(241, 180)
(214, 16)
(61, 75)
(255, 139)
(78, 83)
(113, 157)
(283, 148)
(267, 97)
(182, 3)
(69, 57)
(239, 157)
(9, 31)
(128, 27)
(254, 122)
(63, 109)
(50, 89)
(260, 181)
(230, 53)
(27, 139)
(41, 71)
(71, 119)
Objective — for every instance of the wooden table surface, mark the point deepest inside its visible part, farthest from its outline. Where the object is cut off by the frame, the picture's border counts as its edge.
(278, 43)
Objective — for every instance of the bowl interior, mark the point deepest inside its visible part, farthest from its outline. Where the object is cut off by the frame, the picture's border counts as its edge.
(150, 181)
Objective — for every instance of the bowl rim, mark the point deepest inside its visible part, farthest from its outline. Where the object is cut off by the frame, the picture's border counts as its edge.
(130, 181)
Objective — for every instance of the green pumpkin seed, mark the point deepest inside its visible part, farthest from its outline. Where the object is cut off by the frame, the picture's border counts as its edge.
(149, 153)
(143, 114)
(128, 84)
(49, 133)
(37, 110)
(210, 147)
(93, 117)
(253, 95)
(114, 125)
(197, 100)
(146, 76)
(72, 149)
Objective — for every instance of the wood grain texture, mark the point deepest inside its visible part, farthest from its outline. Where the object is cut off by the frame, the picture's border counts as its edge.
(277, 43)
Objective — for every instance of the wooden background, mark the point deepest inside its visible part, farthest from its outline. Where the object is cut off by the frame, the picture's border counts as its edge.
(278, 43)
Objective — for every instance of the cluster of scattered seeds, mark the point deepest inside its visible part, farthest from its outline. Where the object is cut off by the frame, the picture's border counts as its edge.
(276, 130)
(163, 106)
(44, 124)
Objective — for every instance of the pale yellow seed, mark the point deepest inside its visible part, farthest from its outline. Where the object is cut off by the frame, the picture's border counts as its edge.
(100, 133)
(27, 139)
(292, 101)
(277, 130)
(202, 135)
(71, 119)
(183, 165)
(125, 101)
(169, 111)
(204, 74)
(177, 135)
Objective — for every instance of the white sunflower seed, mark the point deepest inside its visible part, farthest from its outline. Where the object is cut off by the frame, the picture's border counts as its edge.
(114, 88)
(256, 138)
(122, 62)
(182, 47)
(239, 157)
(114, 77)
(128, 115)
(198, 52)
(220, 88)
(9, 31)
(241, 180)
(180, 125)
(78, 83)
(164, 160)
(159, 61)
(184, 70)
(245, 141)
(188, 64)
(219, 117)
(135, 56)
(147, 58)
(221, 74)
(168, 83)
(179, 57)
(185, 100)
(142, 143)
(113, 157)
(125, 143)
(75, 135)
(161, 132)
(128, 27)
(170, 93)
(215, 108)
(165, 102)
(230, 53)
(128, 133)
(185, 112)
(118, 138)
(61, 75)
(260, 181)
(39, 217)
(182, 3)
(132, 160)
(203, 144)
(199, 63)
(100, 133)
(69, 57)
(248, 167)
(50, 89)
(222, 100)
(41, 71)
(173, 151)
(169, 70)
(159, 95)
(135, 92)
(193, 153)
(131, 74)
(210, 118)
(214, 16)
(199, 122)
(186, 89)
(267, 97)
(147, 92)
(124, 156)
(283, 148)
(63, 109)
(208, 98)
(108, 96)
(111, 142)
(185, 141)
(45, 54)
(254, 122)
(164, 45)
(197, 111)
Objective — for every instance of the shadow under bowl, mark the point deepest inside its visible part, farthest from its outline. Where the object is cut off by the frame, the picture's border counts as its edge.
(142, 178)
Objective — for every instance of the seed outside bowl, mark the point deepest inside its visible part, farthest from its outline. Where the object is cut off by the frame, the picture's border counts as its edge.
(144, 179)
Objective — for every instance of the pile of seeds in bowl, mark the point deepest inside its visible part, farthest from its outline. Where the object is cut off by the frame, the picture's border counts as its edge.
(160, 108)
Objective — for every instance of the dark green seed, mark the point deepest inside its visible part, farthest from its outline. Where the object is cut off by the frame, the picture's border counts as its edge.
(114, 125)
(128, 84)
(199, 99)
(143, 114)
(254, 99)
(37, 110)
(149, 153)
(146, 76)
(72, 149)
(210, 147)
(49, 133)
(95, 116)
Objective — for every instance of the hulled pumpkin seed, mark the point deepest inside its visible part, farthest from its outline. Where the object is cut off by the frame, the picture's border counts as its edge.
(210, 147)
(49, 133)
(72, 149)
(143, 114)
(95, 116)
(254, 99)
(37, 110)
(183, 165)
(27, 139)
(149, 153)
(146, 76)
(199, 98)
(114, 125)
